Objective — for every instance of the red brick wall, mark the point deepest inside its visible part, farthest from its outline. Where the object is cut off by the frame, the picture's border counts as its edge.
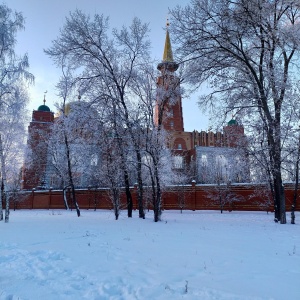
(189, 197)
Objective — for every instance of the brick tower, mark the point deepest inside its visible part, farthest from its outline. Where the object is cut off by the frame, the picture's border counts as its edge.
(234, 134)
(168, 110)
(38, 133)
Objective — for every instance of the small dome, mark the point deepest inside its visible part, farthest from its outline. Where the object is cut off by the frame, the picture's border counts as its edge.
(232, 122)
(43, 108)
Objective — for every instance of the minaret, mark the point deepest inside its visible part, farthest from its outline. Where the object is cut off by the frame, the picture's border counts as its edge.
(38, 133)
(234, 134)
(168, 111)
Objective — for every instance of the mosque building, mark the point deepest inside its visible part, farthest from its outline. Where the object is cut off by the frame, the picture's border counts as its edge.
(216, 155)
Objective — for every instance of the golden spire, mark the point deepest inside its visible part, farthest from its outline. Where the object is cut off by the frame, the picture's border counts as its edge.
(168, 55)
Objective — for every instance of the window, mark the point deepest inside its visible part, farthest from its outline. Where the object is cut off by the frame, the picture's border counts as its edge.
(54, 181)
(178, 162)
(221, 161)
(204, 159)
(172, 124)
(179, 147)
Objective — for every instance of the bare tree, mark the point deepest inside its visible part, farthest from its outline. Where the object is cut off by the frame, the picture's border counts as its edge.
(64, 130)
(110, 174)
(295, 196)
(291, 160)
(106, 65)
(12, 139)
(222, 194)
(155, 158)
(13, 71)
(143, 88)
(292, 164)
(245, 51)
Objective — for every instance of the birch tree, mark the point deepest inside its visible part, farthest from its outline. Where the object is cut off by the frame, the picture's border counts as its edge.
(246, 51)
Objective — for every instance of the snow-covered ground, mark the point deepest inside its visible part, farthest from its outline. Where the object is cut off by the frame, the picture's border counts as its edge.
(194, 255)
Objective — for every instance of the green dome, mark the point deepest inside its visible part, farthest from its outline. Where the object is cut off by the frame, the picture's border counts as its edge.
(232, 122)
(43, 108)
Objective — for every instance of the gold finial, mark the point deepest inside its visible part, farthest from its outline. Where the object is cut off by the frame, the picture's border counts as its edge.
(168, 54)
(45, 98)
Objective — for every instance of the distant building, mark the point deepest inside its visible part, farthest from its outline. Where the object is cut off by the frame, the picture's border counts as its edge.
(46, 166)
(38, 131)
(213, 156)
(210, 151)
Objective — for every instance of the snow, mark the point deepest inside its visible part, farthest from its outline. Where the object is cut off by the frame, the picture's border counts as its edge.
(47, 254)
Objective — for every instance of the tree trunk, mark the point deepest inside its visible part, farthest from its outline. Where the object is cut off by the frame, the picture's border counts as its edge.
(1, 200)
(280, 211)
(221, 203)
(282, 205)
(116, 203)
(141, 200)
(6, 208)
(71, 177)
(274, 144)
(157, 207)
(140, 186)
(293, 208)
(3, 185)
(65, 198)
(128, 194)
(74, 199)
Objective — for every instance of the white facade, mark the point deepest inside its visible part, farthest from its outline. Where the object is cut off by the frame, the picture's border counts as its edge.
(221, 165)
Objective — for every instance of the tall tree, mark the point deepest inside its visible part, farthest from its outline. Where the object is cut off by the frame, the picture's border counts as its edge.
(143, 88)
(12, 138)
(157, 157)
(109, 172)
(245, 50)
(106, 63)
(13, 69)
(291, 149)
(64, 130)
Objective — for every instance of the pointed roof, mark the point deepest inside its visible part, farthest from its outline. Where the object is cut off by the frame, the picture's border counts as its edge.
(168, 54)
(167, 61)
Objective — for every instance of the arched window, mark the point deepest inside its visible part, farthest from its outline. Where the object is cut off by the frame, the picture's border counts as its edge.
(204, 159)
(178, 162)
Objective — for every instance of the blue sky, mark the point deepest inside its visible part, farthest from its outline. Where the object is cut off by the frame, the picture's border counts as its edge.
(44, 18)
